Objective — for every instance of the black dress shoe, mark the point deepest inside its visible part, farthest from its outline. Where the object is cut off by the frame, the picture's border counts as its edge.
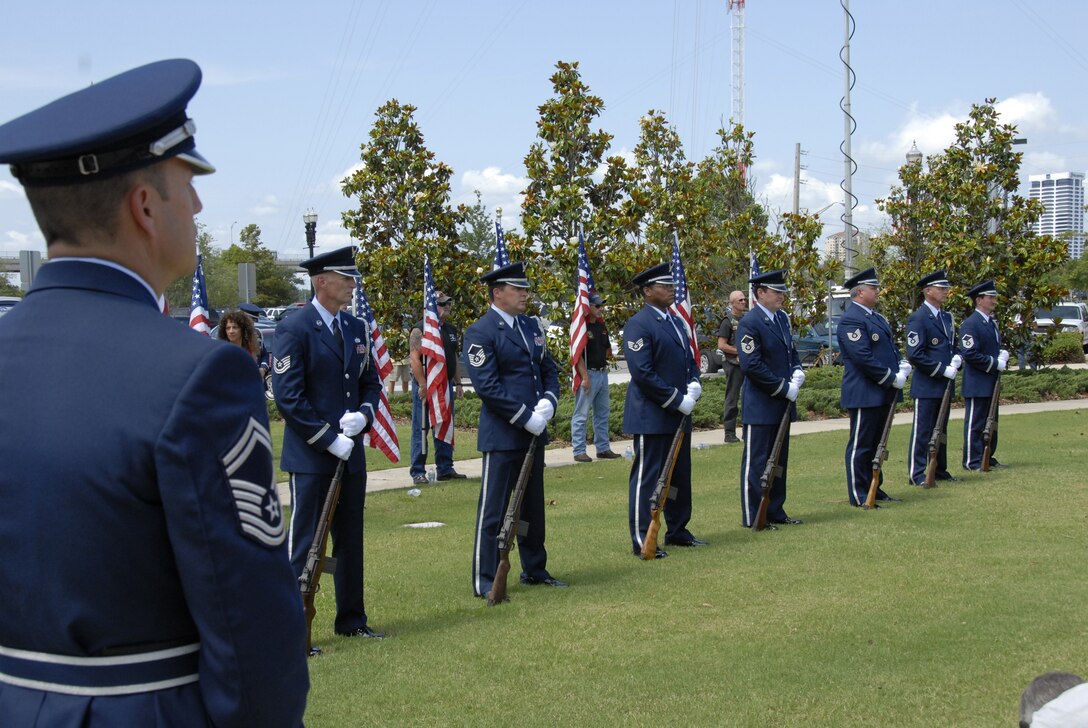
(608, 455)
(315, 651)
(731, 439)
(686, 544)
(788, 521)
(995, 464)
(546, 581)
(946, 476)
(365, 632)
(882, 496)
(659, 555)
(452, 475)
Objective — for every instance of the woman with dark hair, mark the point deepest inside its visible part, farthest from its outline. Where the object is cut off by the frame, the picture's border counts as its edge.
(237, 328)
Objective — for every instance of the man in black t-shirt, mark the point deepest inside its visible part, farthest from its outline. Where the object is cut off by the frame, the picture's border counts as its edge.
(451, 344)
(738, 306)
(593, 368)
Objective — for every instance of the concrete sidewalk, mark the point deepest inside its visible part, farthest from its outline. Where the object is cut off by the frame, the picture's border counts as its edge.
(395, 478)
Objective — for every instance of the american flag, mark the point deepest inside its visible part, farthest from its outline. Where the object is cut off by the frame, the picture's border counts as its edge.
(578, 335)
(439, 405)
(383, 433)
(681, 305)
(502, 258)
(753, 271)
(198, 312)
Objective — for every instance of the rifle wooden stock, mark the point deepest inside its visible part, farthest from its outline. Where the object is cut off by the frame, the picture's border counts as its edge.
(316, 562)
(938, 436)
(511, 525)
(880, 456)
(771, 470)
(661, 494)
(991, 425)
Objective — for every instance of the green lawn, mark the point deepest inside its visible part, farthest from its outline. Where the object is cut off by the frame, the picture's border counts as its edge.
(936, 611)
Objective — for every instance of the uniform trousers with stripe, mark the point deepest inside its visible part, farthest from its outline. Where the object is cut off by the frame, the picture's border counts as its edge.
(308, 492)
(500, 476)
(925, 419)
(651, 454)
(758, 443)
(866, 427)
(975, 411)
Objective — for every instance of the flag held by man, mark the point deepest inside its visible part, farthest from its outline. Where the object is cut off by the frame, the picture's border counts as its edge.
(198, 311)
(681, 305)
(383, 434)
(439, 404)
(578, 320)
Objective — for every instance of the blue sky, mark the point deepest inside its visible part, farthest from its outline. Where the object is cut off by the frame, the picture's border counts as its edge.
(290, 89)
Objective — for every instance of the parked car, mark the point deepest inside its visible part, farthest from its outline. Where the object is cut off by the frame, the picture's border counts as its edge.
(1068, 315)
(813, 348)
(288, 310)
(7, 302)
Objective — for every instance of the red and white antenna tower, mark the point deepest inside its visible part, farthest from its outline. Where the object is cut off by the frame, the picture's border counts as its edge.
(736, 10)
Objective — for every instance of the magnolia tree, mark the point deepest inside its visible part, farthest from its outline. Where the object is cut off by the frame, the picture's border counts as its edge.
(961, 212)
(404, 213)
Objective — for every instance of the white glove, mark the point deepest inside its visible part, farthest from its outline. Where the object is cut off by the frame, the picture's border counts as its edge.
(341, 447)
(1003, 358)
(798, 377)
(1001, 364)
(545, 409)
(687, 404)
(695, 389)
(791, 393)
(957, 362)
(900, 380)
(536, 424)
(950, 372)
(905, 367)
(352, 423)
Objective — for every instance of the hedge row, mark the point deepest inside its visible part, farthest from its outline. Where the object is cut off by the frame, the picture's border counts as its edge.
(819, 399)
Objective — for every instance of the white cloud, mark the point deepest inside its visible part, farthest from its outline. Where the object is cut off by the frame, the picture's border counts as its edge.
(10, 189)
(497, 189)
(1026, 111)
(268, 206)
(12, 241)
(335, 182)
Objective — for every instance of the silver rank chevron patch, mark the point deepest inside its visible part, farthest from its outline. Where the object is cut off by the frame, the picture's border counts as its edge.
(968, 341)
(476, 355)
(912, 338)
(280, 366)
(252, 484)
(636, 345)
(854, 335)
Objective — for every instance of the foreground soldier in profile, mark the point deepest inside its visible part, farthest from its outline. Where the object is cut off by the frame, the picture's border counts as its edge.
(145, 575)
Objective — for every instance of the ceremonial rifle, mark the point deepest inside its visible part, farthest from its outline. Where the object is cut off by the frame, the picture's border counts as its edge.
(991, 425)
(424, 401)
(316, 561)
(772, 470)
(512, 526)
(880, 456)
(938, 437)
(662, 493)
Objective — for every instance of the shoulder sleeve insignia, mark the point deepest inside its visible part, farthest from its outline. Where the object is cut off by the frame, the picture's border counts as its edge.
(248, 464)
(636, 345)
(747, 344)
(912, 338)
(476, 355)
(875, 336)
(280, 366)
(854, 335)
(968, 341)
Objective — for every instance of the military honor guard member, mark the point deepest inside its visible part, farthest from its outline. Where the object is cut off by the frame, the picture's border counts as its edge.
(931, 350)
(874, 375)
(518, 383)
(980, 346)
(664, 388)
(772, 378)
(145, 575)
(327, 388)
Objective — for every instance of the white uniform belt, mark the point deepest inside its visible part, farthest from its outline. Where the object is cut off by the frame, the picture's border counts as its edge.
(115, 675)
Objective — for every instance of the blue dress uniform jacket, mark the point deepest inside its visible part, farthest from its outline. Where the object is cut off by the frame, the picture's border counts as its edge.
(510, 379)
(980, 344)
(767, 358)
(315, 381)
(871, 361)
(139, 518)
(931, 344)
(661, 366)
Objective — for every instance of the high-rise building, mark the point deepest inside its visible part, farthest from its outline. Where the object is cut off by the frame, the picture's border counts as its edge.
(835, 245)
(1063, 195)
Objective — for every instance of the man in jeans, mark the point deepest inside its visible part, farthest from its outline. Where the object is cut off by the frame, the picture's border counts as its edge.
(443, 451)
(738, 306)
(593, 368)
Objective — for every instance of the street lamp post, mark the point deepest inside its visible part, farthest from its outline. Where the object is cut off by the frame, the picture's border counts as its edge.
(310, 219)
